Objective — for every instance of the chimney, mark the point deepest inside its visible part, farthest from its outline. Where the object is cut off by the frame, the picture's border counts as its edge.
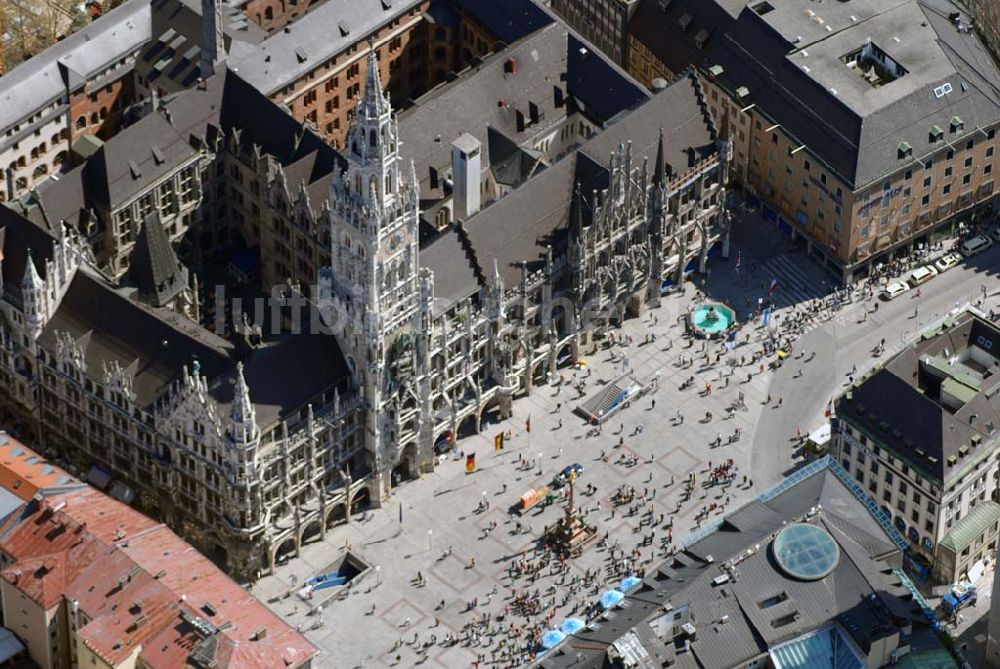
(213, 47)
(466, 170)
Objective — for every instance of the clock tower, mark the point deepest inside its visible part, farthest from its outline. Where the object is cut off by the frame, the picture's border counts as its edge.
(371, 294)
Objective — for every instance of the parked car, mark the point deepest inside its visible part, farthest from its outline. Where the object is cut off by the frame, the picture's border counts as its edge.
(977, 244)
(947, 261)
(562, 478)
(922, 274)
(996, 233)
(893, 290)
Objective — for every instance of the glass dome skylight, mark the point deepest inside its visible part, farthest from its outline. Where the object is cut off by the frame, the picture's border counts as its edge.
(805, 551)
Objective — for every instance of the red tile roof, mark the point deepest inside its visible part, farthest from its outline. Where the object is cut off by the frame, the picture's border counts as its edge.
(24, 472)
(141, 586)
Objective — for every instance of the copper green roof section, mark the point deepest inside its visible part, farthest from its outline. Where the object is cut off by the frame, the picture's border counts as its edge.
(938, 658)
(961, 374)
(960, 391)
(972, 526)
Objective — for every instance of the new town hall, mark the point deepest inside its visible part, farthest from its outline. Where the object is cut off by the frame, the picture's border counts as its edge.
(252, 443)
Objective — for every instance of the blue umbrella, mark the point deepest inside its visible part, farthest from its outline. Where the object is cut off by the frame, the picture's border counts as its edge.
(611, 598)
(628, 583)
(552, 638)
(572, 625)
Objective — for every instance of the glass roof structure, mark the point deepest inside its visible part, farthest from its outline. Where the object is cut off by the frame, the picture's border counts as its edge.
(826, 648)
(806, 552)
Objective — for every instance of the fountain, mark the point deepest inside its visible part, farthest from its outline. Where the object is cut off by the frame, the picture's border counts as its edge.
(711, 320)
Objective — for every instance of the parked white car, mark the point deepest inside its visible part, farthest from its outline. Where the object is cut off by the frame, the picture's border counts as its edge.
(947, 261)
(977, 244)
(921, 275)
(893, 290)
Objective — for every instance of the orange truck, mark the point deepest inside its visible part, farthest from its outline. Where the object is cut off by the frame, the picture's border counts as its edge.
(532, 498)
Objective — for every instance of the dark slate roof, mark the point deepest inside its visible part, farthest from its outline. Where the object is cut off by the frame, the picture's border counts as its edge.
(128, 163)
(271, 127)
(157, 144)
(602, 90)
(862, 595)
(154, 345)
(511, 165)
(793, 69)
(151, 345)
(18, 237)
(510, 20)
(174, 48)
(488, 97)
(680, 33)
(287, 373)
(679, 111)
(62, 200)
(155, 269)
(454, 275)
(517, 228)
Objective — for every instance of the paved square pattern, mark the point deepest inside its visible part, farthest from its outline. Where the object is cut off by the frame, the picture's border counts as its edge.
(445, 501)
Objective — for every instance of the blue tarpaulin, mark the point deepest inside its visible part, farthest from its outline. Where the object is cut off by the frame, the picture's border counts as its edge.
(611, 598)
(552, 638)
(572, 626)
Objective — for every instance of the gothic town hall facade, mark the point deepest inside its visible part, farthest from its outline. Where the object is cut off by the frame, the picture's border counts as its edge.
(251, 448)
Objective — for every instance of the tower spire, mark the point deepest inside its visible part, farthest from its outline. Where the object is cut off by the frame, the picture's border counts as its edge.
(242, 413)
(32, 279)
(376, 102)
(659, 172)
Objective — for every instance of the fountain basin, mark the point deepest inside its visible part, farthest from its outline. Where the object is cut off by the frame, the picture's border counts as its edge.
(711, 320)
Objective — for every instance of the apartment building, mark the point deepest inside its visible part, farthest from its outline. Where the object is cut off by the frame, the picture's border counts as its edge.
(920, 435)
(861, 132)
(86, 581)
(77, 87)
(603, 23)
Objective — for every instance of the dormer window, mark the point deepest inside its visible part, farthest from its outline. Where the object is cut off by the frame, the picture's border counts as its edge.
(905, 150)
(957, 124)
(936, 134)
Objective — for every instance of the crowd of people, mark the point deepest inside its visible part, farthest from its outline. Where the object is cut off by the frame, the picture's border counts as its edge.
(541, 589)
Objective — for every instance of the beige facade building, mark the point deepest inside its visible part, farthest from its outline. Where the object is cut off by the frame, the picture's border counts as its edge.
(919, 435)
(865, 143)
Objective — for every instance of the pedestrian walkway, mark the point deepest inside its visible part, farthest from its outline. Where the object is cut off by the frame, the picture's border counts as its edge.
(794, 285)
